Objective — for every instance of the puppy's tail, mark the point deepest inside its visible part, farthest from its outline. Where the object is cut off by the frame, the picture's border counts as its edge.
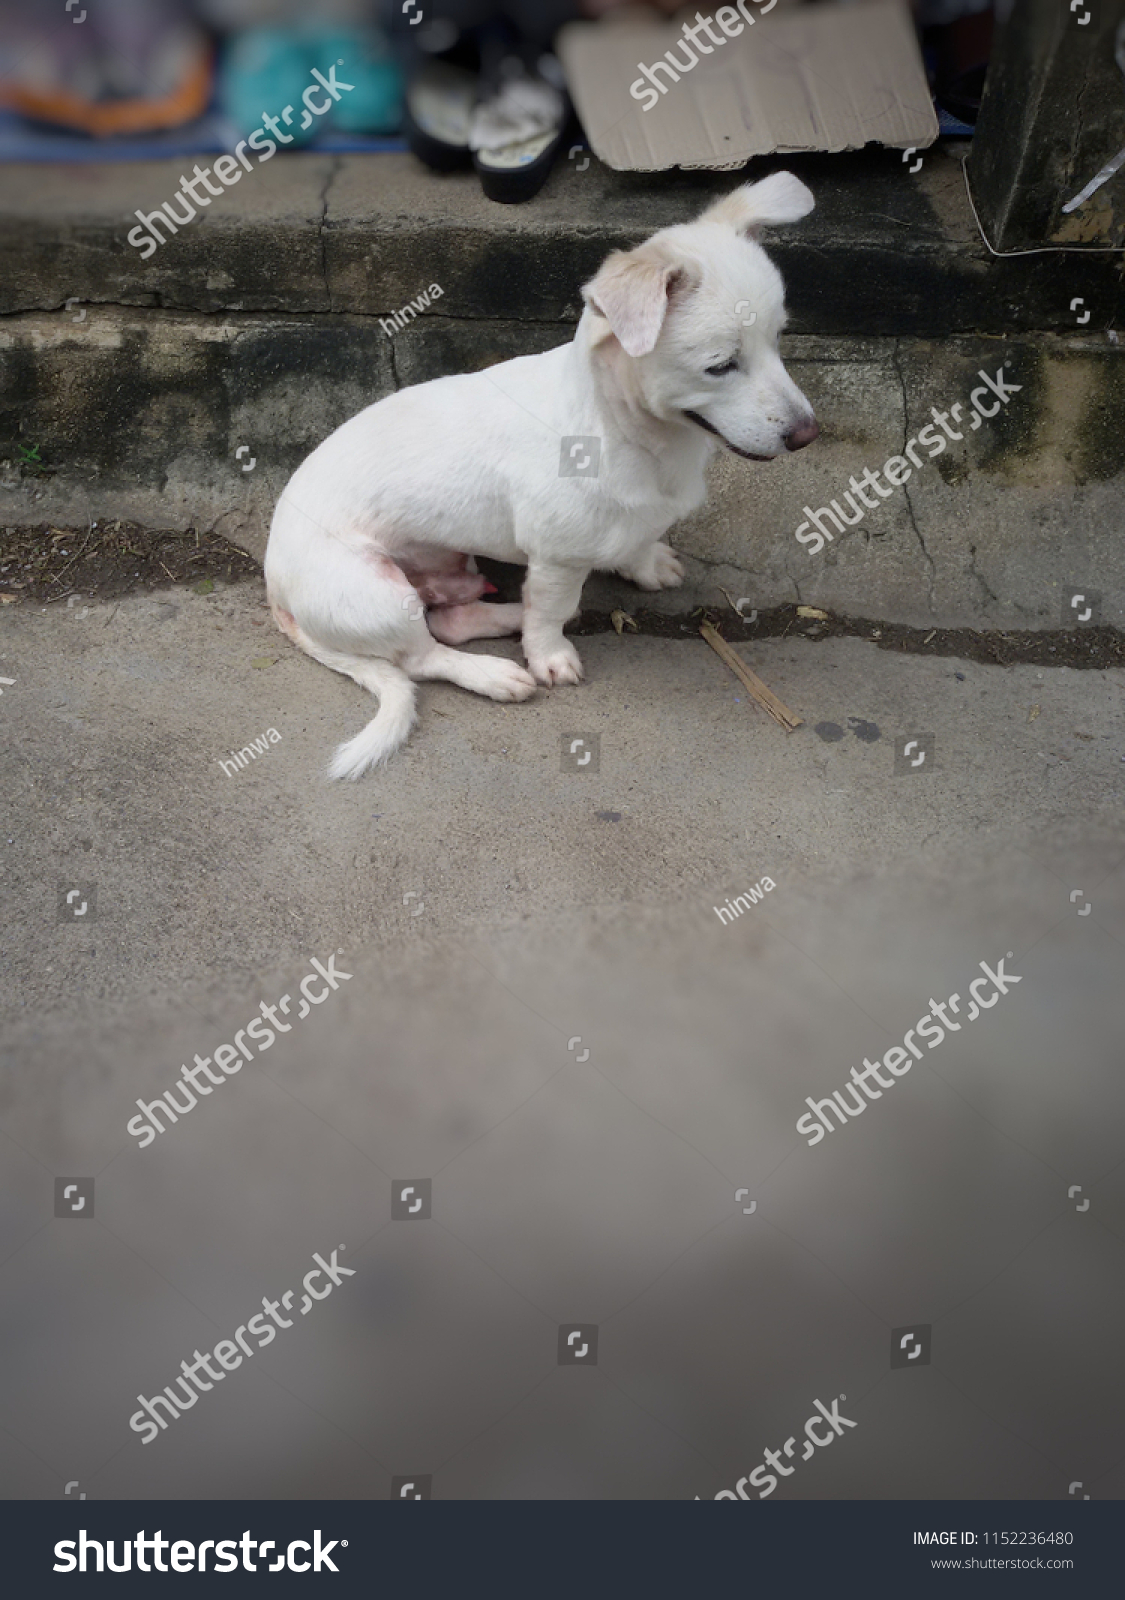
(388, 730)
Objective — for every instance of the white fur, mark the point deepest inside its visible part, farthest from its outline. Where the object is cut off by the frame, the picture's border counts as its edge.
(363, 567)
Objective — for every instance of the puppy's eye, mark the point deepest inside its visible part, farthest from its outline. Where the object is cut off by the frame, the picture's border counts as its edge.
(723, 367)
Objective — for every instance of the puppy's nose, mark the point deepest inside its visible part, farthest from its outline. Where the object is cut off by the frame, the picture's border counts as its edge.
(804, 433)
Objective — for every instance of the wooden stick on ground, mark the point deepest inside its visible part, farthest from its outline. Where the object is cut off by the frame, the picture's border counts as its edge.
(765, 697)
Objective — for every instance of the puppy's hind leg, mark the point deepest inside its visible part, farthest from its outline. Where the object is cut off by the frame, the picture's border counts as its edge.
(455, 615)
(456, 624)
(494, 676)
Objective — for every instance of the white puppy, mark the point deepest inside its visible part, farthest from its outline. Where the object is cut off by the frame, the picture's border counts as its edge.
(370, 564)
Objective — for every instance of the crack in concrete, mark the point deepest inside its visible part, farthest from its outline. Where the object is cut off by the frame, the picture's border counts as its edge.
(1061, 335)
(931, 569)
(278, 312)
(971, 569)
(333, 170)
(711, 561)
(1056, 337)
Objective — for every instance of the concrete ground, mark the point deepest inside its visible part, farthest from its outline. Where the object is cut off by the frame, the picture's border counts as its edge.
(551, 1040)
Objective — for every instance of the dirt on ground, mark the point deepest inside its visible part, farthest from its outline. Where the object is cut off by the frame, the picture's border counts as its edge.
(111, 559)
(1080, 647)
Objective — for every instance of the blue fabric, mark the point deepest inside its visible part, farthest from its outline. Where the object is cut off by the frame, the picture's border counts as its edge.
(22, 141)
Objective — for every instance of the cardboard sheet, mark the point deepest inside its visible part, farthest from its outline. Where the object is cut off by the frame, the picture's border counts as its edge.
(825, 77)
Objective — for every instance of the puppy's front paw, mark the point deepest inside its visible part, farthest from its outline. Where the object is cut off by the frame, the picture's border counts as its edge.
(668, 568)
(558, 665)
(658, 568)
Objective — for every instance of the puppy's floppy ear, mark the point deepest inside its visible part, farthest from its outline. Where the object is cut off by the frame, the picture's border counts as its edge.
(632, 291)
(779, 198)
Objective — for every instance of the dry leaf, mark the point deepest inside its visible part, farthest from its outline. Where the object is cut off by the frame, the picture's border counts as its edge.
(622, 620)
(1033, 713)
(264, 661)
(811, 611)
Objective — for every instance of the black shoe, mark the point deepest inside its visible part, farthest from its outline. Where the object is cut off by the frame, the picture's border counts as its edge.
(517, 128)
(438, 114)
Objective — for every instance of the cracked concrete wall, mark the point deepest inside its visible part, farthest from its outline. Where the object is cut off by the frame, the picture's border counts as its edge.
(139, 414)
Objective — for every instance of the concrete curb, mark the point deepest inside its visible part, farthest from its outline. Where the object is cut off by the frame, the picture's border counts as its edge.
(254, 332)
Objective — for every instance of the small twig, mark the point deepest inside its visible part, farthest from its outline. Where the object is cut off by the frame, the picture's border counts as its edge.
(73, 559)
(60, 575)
(763, 695)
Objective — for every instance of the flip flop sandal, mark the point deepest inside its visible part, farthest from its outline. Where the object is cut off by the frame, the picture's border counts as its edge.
(515, 136)
(438, 113)
(516, 172)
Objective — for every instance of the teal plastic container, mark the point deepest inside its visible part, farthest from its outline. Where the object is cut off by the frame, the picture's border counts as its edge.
(265, 70)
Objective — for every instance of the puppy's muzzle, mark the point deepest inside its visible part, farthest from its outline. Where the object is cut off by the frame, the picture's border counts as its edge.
(796, 439)
(693, 416)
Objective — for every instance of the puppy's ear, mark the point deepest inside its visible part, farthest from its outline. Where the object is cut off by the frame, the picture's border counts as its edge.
(632, 291)
(779, 198)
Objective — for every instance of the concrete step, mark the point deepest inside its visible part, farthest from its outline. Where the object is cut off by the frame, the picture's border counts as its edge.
(885, 252)
(137, 383)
